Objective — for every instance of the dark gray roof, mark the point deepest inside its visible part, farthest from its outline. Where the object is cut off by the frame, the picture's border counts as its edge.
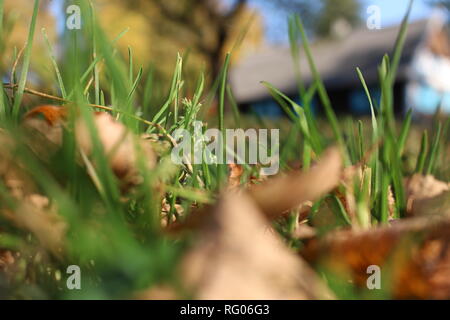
(335, 60)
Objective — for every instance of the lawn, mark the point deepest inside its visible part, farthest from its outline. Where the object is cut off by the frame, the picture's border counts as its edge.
(93, 205)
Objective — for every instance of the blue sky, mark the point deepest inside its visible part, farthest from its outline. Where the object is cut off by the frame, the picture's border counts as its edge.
(392, 12)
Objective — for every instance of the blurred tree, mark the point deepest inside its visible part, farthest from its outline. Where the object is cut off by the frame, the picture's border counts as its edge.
(443, 3)
(206, 29)
(323, 17)
(15, 34)
(331, 15)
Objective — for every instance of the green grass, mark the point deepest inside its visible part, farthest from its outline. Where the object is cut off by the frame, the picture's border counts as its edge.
(117, 239)
(26, 62)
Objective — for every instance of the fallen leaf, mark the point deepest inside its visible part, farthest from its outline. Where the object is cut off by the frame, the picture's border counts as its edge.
(165, 210)
(35, 215)
(120, 146)
(283, 193)
(426, 195)
(234, 177)
(8, 267)
(6, 259)
(304, 231)
(44, 129)
(239, 256)
(51, 114)
(12, 172)
(413, 253)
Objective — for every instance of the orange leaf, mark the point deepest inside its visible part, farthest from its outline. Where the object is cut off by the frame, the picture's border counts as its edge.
(234, 178)
(52, 114)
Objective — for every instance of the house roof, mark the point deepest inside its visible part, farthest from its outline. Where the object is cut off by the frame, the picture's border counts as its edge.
(336, 62)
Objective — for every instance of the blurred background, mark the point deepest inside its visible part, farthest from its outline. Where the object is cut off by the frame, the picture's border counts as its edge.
(345, 34)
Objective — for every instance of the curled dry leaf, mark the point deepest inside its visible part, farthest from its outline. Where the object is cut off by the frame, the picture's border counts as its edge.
(304, 231)
(234, 176)
(427, 195)
(238, 256)
(6, 259)
(45, 125)
(35, 215)
(414, 254)
(44, 128)
(120, 146)
(303, 210)
(439, 205)
(165, 210)
(8, 267)
(283, 193)
(12, 173)
(52, 115)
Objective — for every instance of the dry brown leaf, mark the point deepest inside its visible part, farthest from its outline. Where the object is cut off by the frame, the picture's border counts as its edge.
(349, 176)
(6, 259)
(283, 193)
(439, 205)
(34, 215)
(234, 176)
(12, 173)
(304, 231)
(165, 209)
(427, 195)
(51, 114)
(120, 146)
(238, 256)
(303, 210)
(9, 265)
(44, 128)
(158, 293)
(414, 252)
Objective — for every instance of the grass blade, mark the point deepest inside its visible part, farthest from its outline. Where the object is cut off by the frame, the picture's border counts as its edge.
(434, 151)
(322, 91)
(422, 153)
(26, 62)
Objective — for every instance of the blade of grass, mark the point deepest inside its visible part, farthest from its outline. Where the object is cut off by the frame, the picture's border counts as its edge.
(173, 87)
(221, 115)
(361, 140)
(400, 42)
(300, 117)
(26, 62)
(431, 161)
(404, 132)
(322, 91)
(94, 56)
(234, 106)
(384, 210)
(422, 153)
(55, 64)
(372, 110)
(148, 90)
(295, 53)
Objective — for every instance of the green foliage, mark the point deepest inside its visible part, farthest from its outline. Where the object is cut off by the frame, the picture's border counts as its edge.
(347, 11)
